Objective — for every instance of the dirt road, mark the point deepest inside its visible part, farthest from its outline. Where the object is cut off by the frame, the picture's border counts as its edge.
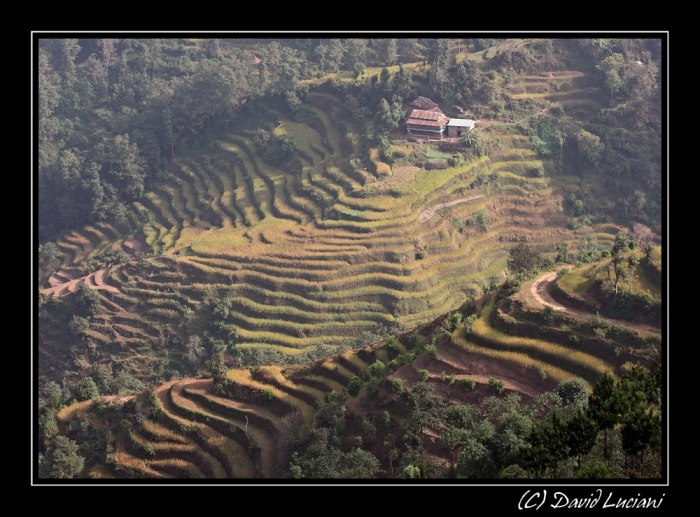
(540, 292)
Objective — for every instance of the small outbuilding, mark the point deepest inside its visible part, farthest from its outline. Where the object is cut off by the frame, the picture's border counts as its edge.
(457, 127)
(423, 103)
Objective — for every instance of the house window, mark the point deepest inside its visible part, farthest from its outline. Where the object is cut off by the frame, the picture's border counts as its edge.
(459, 132)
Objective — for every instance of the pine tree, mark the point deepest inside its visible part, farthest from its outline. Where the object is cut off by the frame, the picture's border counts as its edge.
(605, 405)
(582, 434)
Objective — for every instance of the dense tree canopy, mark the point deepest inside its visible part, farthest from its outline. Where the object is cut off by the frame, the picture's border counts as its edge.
(62, 460)
(522, 258)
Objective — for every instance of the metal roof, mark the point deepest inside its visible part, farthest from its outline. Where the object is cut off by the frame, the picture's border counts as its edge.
(461, 122)
(426, 115)
(422, 122)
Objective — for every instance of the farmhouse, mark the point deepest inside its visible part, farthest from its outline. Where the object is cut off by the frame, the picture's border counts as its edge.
(426, 123)
(459, 126)
(425, 118)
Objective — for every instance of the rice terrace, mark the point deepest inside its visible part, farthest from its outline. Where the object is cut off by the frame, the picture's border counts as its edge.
(350, 258)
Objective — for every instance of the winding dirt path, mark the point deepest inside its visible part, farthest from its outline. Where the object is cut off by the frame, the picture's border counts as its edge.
(540, 292)
(427, 214)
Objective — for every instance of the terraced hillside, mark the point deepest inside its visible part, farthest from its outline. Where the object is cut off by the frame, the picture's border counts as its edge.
(316, 257)
(240, 252)
(241, 425)
(222, 428)
(238, 426)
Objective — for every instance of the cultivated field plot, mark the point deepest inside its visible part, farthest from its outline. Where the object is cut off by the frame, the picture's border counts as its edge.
(298, 275)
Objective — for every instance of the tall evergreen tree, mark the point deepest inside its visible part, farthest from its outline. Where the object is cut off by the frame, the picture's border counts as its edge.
(605, 406)
(641, 430)
(389, 52)
(582, 434)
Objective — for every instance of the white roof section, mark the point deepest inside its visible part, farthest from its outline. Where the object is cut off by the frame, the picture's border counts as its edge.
(461, 122)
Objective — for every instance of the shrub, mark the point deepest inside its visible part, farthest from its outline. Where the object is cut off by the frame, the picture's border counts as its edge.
(373, 386)
(268, 395)
(479, 217)
(62, 460)
(48, 252)
(393, 364)
(440, 164)
(222, 308)
(416, 342)
(193, 349)
(421, 255)
(78, 325)
(495, 385)
(575, 205)
(124, 383)
(468, 323)
(548, 314)
(523, 258)
(562, 252)
(595, 470)
(467, 384)
(354, 386)
(218, 367)
(513, 472)
(331, 396)
(391, 344)
(86, 389)
(594, 320)
(398, 385)
(88, 300)
(451, 322)
(431, 350)
(573, 391)
(423, 375)
(378, 369)
(647, 301)
(412, 472)
(545, 262)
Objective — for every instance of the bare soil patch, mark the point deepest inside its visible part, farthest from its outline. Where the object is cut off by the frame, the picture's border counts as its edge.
(135, 247)
(61, 277)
